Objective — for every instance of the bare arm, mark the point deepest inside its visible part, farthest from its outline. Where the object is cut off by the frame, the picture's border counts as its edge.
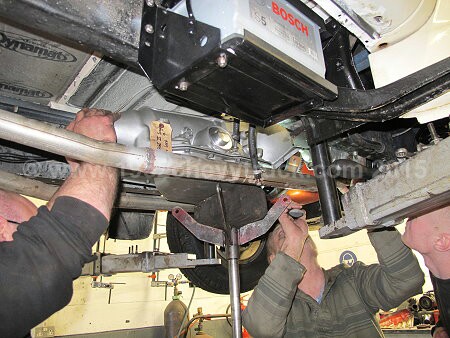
(93, 184)
(50, 249)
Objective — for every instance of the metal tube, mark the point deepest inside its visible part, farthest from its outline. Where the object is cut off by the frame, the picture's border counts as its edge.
(37, 189)
(434, 135)
(26, 186)
(193, 319)
(209, 250)
(236, 132)
(148, 202)
(329, 201)
(47, 137)
(233, 279)
(253, 150)
(339, 60)
(232, 250)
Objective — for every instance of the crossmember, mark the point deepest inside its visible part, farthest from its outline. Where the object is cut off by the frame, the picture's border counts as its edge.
(246, 233)
(107, 264)
(414, 187)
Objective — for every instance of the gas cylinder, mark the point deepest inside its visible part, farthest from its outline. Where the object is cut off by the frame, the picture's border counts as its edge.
(173, 315)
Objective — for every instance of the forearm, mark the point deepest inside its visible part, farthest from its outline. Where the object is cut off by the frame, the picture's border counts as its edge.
(94, 184)
(396, 277)
(396, 259)
(271, 301)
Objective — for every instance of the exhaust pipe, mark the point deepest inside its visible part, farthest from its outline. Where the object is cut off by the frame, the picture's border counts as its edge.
(37, 189)
(50, 138)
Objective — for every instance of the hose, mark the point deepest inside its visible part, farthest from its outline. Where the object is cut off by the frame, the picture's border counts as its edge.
(235, 135)
(186, 314)
(193, 319)
(253, 151)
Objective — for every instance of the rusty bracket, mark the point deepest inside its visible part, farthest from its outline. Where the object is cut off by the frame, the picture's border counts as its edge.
(255, 229)
(247, 233)
(108, 264)
(203, 232)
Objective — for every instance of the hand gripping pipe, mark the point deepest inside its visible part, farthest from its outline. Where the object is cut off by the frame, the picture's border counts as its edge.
(47, 137)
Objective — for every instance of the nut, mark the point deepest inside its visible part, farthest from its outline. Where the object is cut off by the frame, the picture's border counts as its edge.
(149, 29)
(222, 60)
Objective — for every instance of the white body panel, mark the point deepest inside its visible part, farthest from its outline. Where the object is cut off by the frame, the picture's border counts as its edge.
(426, 46)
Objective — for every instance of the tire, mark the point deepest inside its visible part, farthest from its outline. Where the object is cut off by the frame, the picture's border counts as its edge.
(215, 278)
(130, 225)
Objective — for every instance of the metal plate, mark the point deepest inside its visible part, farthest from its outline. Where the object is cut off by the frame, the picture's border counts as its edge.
(243, 204)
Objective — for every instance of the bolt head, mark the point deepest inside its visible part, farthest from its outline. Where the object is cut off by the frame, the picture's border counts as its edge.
(183, 86)
(401, 153)
(149, 29)
(222, 60)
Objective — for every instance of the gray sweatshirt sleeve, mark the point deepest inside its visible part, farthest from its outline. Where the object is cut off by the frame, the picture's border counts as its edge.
(397, 277)
(269, 305)
(38, 267)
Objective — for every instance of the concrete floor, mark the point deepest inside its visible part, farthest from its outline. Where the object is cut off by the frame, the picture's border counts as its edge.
(221, 329)
(217, 328)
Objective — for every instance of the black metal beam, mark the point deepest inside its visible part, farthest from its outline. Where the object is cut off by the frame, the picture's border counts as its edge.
(36, 111)
(339, 59)
(109, 27)
(390, 101)
(326, 186)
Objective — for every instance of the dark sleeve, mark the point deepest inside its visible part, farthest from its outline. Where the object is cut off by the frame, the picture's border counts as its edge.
(38, 267)
(438, 324)
(442, 292)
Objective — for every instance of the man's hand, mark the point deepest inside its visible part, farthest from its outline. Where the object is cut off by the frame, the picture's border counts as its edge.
(295, 232)
(440, 332)
(94, 184)
(97, 124)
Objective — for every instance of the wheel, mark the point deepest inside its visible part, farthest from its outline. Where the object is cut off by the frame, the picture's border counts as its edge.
(130, 225)
(252, 264)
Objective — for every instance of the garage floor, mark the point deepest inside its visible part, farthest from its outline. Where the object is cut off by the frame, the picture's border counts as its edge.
(218, 329)
(221, 329)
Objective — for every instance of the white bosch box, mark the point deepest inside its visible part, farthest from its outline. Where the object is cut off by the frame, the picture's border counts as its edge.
(277, 23)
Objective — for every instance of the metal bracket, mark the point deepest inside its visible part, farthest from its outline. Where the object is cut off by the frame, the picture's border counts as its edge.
(203, 232)
(255, 229)
(390, 101)
(143, 262)
(100, 285)
(167, 47)
(412, 188)
(159, 236)
(247, 233)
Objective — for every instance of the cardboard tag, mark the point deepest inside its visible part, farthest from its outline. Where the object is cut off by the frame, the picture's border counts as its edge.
(161, 136)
